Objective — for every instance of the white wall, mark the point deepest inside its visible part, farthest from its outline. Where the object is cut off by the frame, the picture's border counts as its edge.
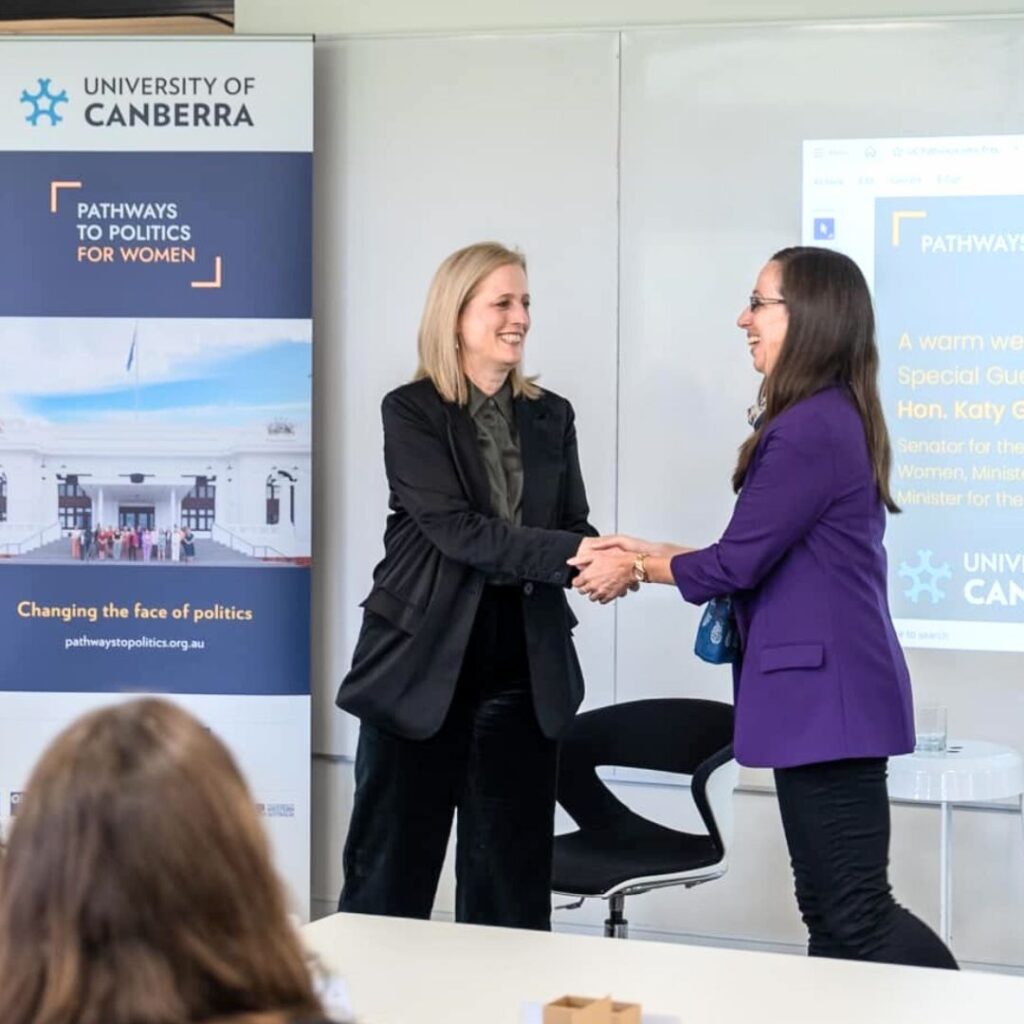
(753, 904)
(349, 17)
(409, 167)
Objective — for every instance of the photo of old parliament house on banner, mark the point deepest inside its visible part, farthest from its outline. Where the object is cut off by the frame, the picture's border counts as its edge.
(155, 400)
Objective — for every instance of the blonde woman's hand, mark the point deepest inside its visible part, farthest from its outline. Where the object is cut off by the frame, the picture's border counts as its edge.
(604, 574)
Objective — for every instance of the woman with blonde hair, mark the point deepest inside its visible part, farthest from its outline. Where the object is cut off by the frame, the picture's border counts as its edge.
(464, 673)
(137, 885)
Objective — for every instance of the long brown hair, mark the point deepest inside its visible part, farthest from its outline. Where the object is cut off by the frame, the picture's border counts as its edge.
(455, 283)
(137, 886)
(830, 339)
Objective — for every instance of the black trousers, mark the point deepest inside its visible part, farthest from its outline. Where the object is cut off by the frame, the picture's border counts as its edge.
(836, 819)
(491, 763)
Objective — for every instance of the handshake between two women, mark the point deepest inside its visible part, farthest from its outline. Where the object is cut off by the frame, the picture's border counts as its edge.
(611, 566)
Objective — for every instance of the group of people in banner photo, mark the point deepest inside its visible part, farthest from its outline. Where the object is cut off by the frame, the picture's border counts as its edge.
(132, 544)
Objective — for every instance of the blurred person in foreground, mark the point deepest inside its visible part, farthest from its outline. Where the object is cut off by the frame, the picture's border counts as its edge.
(137, 885)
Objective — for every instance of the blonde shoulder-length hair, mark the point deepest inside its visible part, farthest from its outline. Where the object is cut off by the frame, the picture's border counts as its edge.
(454, 284)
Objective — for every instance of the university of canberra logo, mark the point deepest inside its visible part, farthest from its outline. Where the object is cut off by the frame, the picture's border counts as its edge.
(925, 578)
(44, 103)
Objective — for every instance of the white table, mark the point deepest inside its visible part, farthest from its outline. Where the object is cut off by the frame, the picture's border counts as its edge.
(967, 771)
(410, 972)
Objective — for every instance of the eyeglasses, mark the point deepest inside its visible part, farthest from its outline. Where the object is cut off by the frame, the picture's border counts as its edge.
(756, 302)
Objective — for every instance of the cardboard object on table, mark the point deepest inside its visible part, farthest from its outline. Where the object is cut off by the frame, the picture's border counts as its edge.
(578, 1010)
(586, 1010)
(625, 1013)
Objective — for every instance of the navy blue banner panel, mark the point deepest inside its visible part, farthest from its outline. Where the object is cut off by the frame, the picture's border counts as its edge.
(156, 234)
(176, 629)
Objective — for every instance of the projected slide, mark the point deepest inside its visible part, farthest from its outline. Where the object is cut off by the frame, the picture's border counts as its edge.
(938, 227)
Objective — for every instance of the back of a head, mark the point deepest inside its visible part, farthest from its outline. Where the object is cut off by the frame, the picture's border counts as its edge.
(137, 886)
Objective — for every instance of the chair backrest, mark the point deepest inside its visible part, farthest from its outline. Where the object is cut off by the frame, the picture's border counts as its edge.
(683, 735)
(722, 775)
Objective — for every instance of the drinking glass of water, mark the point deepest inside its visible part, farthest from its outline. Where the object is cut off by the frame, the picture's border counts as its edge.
(930, 729)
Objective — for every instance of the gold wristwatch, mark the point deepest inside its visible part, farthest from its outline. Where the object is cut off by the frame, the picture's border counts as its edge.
(640, 568)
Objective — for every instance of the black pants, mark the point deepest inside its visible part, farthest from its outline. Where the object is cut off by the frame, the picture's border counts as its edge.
(489, 761)
(836, 819)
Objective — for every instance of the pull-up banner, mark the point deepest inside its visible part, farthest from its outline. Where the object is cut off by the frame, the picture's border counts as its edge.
(155, 399)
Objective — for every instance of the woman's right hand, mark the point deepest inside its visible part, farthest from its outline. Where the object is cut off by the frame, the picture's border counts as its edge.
(604, 574)
(588, 545)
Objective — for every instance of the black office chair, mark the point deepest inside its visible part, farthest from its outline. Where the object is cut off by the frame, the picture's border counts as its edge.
(616, 853)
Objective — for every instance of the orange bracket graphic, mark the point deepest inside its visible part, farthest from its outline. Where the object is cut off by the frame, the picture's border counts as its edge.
(901, 215)
(215, 283)
(55, 186)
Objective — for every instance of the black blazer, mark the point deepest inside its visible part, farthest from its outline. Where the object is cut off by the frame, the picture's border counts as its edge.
(441, 542)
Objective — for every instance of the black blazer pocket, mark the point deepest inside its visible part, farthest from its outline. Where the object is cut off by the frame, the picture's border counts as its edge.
(399, 613)
(789, 656)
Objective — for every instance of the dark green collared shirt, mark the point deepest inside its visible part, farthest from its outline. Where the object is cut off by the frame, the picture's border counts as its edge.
(495, 421)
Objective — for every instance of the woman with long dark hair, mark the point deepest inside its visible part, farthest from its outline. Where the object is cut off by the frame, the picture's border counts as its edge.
(822, 689)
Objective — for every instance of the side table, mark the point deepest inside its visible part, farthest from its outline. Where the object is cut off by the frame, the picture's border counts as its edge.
(966, 771)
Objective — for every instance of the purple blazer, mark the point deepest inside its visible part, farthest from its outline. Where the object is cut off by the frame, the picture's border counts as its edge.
(822, 676)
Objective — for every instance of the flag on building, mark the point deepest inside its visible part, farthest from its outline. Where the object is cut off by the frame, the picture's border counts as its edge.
(131, 351)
